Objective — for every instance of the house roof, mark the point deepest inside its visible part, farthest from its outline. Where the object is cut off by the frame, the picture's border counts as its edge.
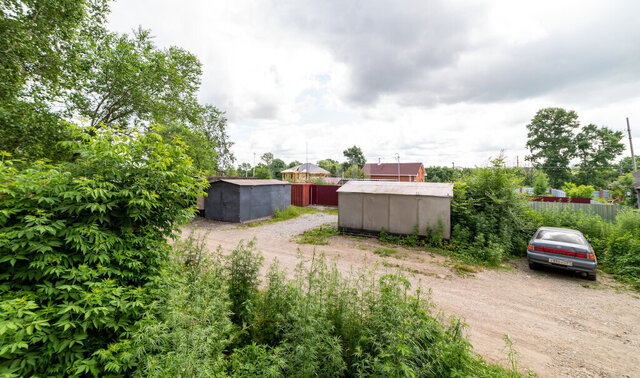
(391, 169)
(250, 182)
(305, 168)
(331, 180)
(431, 189)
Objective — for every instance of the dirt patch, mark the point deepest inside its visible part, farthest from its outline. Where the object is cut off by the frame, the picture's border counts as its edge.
(560, 323)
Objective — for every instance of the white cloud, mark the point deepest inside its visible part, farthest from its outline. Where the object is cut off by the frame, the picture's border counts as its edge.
(432, 81)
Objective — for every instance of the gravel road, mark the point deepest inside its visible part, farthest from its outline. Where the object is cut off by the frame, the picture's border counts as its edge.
(560, 323)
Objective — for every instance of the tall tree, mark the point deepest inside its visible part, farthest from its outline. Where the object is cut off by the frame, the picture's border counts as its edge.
(128, 81)
(596, 148)
(330, 165)
(354, 156)
(276, 167)
(39, 61)
(626, 164)
(267, 157)
(551, 142)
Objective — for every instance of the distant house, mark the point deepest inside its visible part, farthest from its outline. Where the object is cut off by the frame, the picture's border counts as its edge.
(304, 172)
(411, 172)
(331, 180)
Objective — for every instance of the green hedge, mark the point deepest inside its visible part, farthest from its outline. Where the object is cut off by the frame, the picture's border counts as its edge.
(82, 248)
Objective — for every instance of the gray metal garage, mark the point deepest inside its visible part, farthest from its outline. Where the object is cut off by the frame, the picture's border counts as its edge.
(240, 200)
(396, 206)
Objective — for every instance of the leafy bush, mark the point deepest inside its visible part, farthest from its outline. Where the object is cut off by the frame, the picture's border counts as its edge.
(578, 191)
(82, 248)
(541, 183)
(316, 324)
(490, 220)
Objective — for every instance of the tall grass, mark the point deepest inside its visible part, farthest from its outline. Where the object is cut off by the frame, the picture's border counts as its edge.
(214, 321)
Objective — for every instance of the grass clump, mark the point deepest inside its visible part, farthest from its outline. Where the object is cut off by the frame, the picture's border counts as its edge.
(319, 323)
(385, 252)
(291, 213)
(318, 235)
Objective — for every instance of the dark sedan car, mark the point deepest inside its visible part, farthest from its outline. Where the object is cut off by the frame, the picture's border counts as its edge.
(562, 248)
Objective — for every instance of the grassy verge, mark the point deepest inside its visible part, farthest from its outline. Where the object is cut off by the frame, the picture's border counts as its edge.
(291, 213)
(318, 235)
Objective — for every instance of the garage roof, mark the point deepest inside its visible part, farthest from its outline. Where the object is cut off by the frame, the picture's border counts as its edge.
(431, 189)
(251, 182)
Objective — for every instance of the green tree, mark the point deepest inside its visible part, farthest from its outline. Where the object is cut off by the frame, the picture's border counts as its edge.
(626, 164)
(245, 169)
(199, 148)
(267, 157)
(621, 190)
(262, 171)
(276, 167)
(541, 184)
(354, 156)
(129, 81)
(438, 174)
(354, 172)
(551, 142)
(330, 165)
(596, 148)
(294, 164)
(40, 46)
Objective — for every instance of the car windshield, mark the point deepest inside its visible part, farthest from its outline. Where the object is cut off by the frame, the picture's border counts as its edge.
(559, 236)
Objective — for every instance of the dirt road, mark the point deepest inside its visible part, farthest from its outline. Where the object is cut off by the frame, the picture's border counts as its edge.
(560, 324)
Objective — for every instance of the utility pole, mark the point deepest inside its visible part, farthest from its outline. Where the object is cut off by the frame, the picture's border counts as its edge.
(254, 164)
(398, 157)
(517, 161)
(633, 157)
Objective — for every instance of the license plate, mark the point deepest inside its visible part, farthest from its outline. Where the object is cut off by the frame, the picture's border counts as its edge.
(561, 262)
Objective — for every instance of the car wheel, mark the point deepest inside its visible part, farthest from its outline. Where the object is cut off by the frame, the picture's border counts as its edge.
(591, 276)
(533, 266)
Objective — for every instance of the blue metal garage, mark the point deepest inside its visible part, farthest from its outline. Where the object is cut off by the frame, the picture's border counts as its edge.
(241, 200)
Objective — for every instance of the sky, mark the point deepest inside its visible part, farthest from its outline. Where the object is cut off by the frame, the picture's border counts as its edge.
(437, 82)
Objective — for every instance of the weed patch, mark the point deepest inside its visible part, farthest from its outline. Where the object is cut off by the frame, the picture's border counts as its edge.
(318, 235)
(385, 252)
(317, 324)
(291, 213)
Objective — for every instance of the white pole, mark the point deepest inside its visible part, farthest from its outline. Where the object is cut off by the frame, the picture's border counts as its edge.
(398, 157)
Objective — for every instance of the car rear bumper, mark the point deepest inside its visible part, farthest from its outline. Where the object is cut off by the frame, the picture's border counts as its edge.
(579, 265)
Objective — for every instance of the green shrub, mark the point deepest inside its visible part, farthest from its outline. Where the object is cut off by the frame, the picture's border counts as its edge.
(243, 266)
(541, 183)
(318, 323)
(82, 248)
(490, 220)
(578, 191)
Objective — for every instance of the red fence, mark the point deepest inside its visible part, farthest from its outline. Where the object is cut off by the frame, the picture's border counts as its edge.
(312, 194)
(326, 195)
(560, 199)
(301, 194)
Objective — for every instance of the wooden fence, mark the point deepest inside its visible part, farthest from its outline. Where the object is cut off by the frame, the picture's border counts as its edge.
(607, 212)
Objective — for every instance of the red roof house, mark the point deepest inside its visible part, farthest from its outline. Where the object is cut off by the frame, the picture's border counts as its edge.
(412, 172)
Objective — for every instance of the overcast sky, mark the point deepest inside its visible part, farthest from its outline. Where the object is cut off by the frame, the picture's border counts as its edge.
(434, 81)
